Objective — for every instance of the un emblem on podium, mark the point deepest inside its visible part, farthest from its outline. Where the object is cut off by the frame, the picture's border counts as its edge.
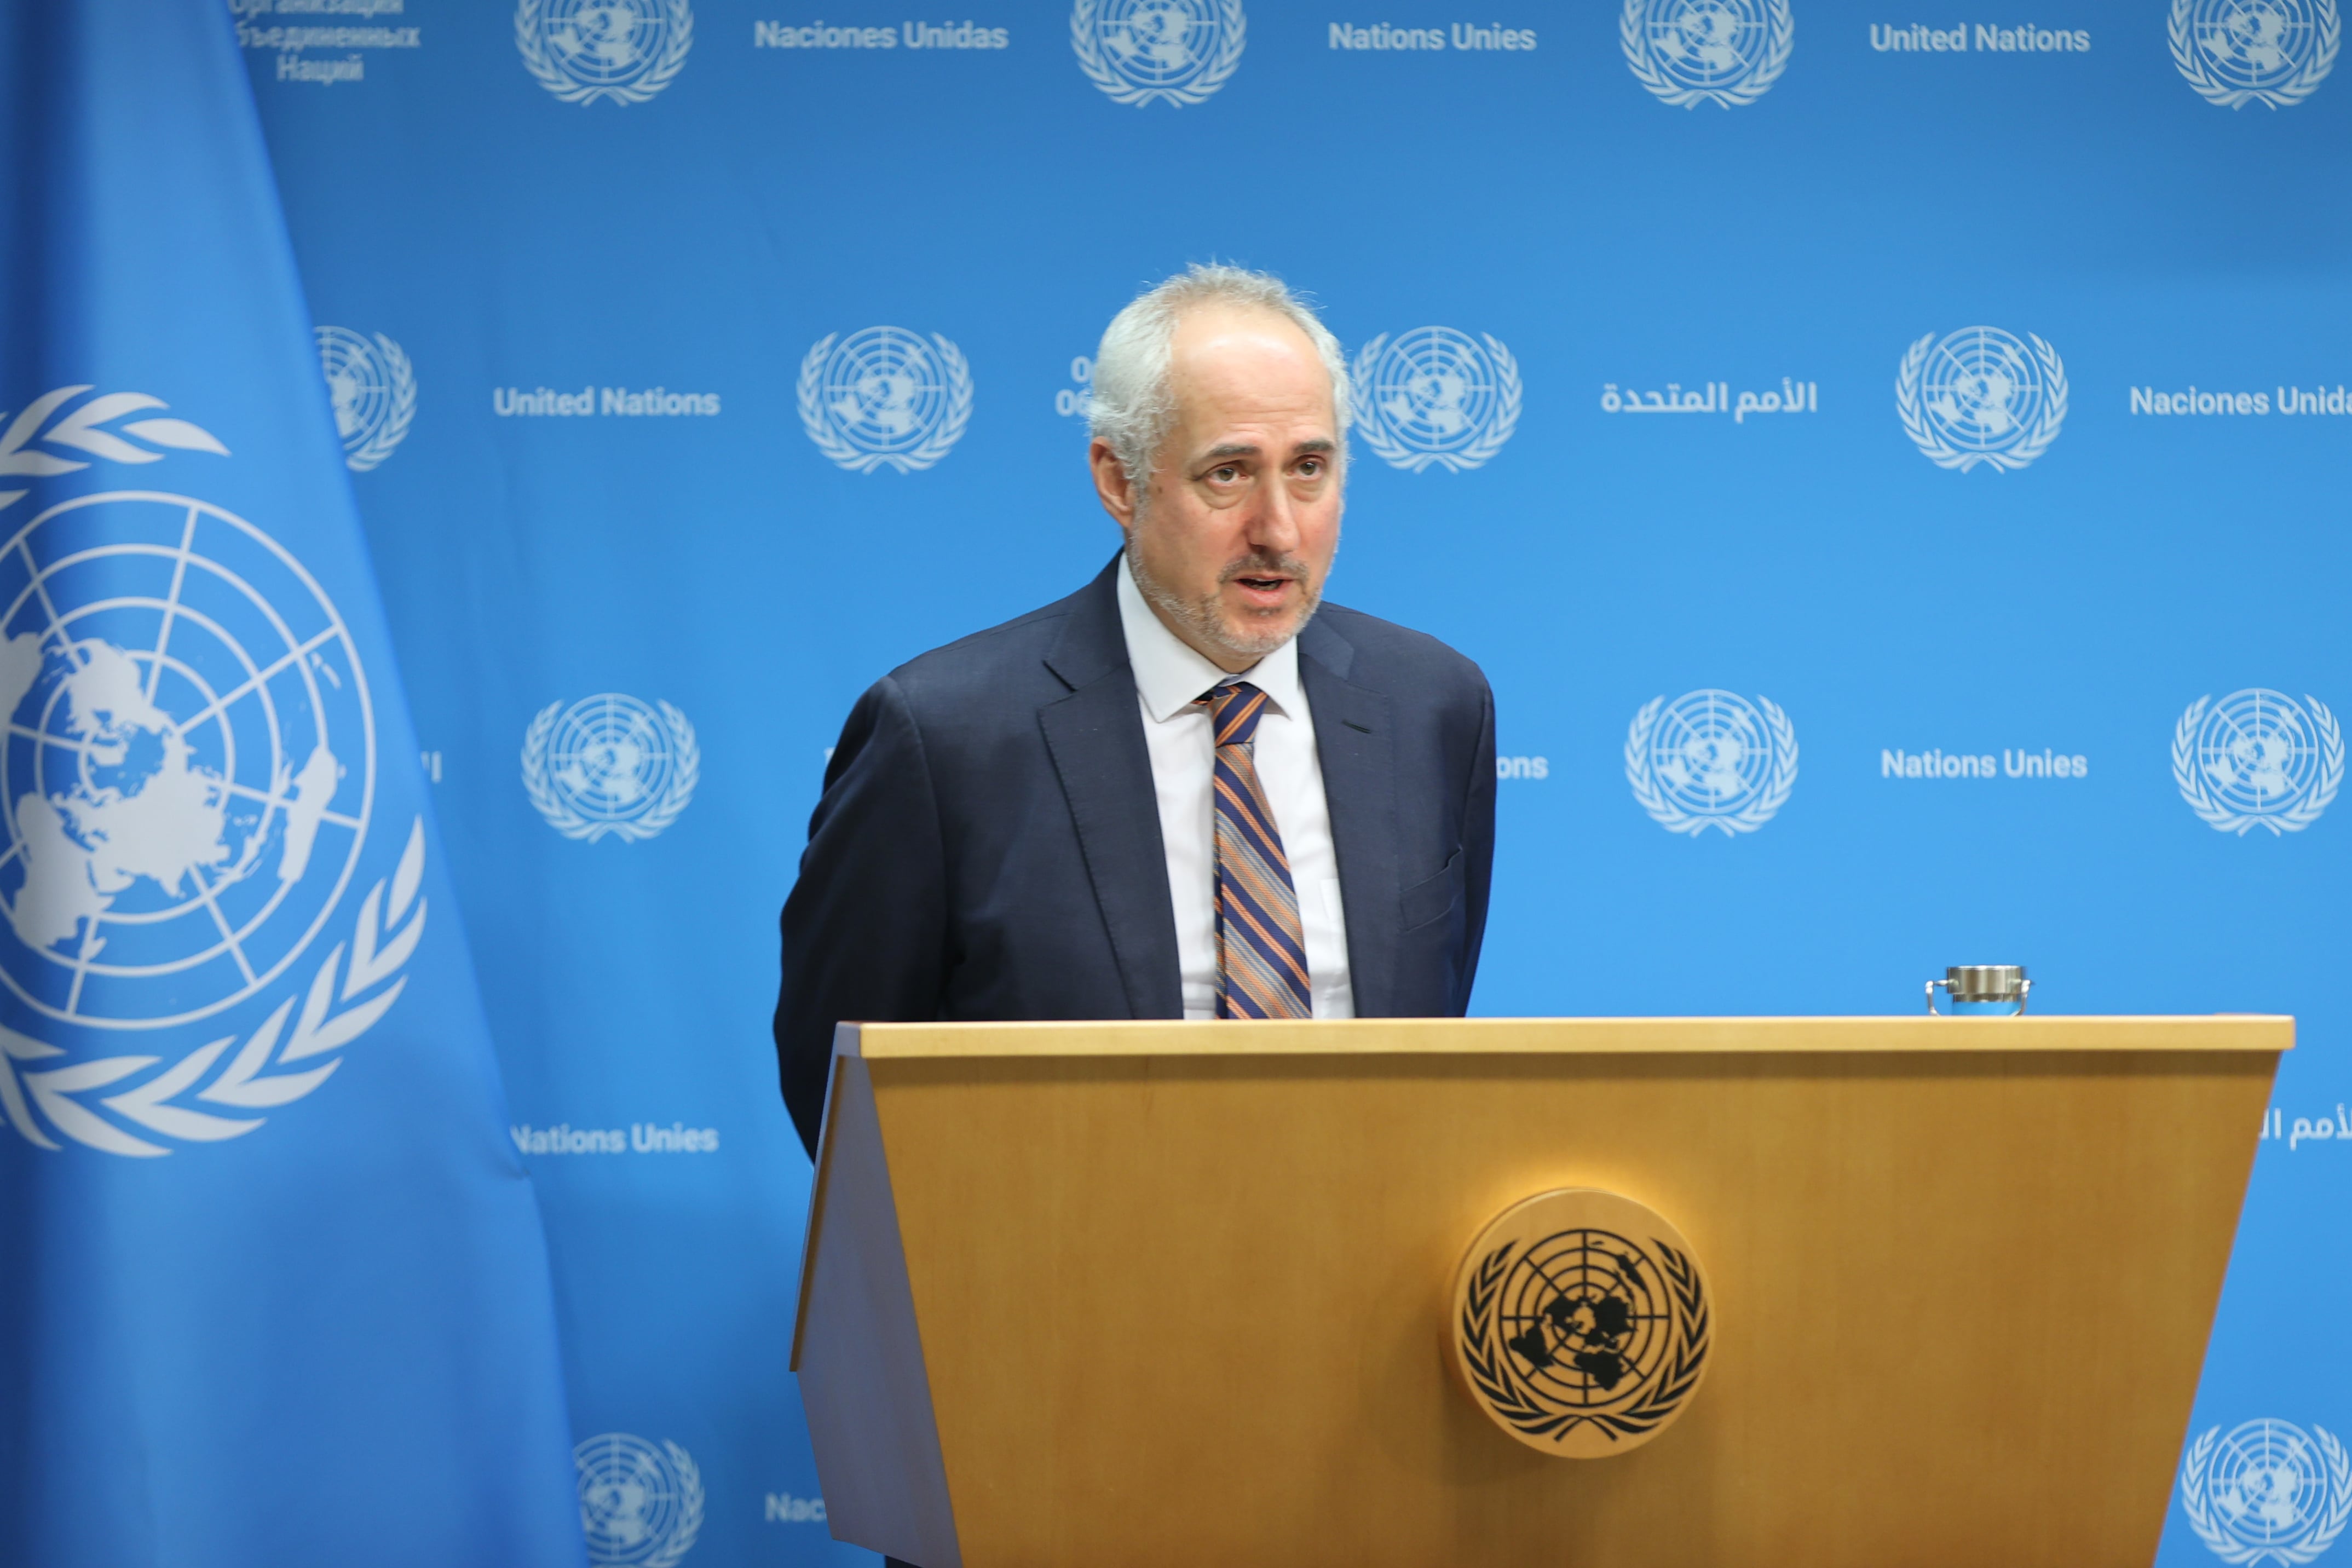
(2267, 1491)
(1580, 1323)
(2236, 52)
(1981, 396)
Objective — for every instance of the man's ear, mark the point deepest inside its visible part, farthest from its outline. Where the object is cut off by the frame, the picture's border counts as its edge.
(1112, 486)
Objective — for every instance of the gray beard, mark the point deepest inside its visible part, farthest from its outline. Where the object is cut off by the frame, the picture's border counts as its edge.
(1203, 618)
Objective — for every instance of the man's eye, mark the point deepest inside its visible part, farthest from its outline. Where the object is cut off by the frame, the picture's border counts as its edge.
(1311, 468)
(1225, 475)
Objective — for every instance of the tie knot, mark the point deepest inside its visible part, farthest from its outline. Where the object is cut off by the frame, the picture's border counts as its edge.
(1234, 708)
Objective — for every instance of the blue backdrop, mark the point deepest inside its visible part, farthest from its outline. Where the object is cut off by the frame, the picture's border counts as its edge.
(1805, 418)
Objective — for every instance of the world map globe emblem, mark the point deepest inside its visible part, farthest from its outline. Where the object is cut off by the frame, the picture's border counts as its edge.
(640, 1506)
(190, 761)
(611, 763)
(1173, 51)
(1722, 51)
(2236, 51)
(1711, 758)
(1585, 1316)
(2267, 1490)
(373, 391)
(1582, 1323)
(2258, 758)
(625, 50)
(885, 396)
(1434, 397)
(1981, 396)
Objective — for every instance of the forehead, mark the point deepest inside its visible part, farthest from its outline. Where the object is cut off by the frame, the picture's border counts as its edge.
(1231, 363)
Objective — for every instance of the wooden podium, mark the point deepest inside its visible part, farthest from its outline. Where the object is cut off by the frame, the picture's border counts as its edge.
(1123, 1295)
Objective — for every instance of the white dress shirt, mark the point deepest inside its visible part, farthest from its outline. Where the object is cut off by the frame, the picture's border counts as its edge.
(1169, 675)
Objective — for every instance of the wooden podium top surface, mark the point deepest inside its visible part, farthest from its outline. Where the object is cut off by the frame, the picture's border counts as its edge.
(1581, 1036)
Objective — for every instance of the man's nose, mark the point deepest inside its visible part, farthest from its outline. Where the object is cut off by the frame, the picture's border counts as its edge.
(1273, 520)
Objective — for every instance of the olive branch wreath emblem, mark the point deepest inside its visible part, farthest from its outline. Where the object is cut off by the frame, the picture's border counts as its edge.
(371, 985)
(2328, 37)
(678, 37)
(1779, 43)
(78, 429)
(2215, 813)
(1085, 41)
(1388, 447)
(2198, 1505)
(1911, 379)
(1640, 773)
(818, 421)
(400, 381)
(1655, 1401)
(539, 781)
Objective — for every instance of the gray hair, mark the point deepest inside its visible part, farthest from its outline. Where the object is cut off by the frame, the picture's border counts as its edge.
(1133, 406)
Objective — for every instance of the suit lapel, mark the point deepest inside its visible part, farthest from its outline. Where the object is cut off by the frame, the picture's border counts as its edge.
(1355, 742)
(1095, 737)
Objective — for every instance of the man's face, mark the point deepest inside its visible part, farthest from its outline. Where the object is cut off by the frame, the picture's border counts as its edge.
(1235, 536)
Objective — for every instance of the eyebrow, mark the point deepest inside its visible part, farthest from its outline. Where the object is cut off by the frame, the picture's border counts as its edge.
(1244, 449)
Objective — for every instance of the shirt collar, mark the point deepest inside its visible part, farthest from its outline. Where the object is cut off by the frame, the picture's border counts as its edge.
(1169, 672)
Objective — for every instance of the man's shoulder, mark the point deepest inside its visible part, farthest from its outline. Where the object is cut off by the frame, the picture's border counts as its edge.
(986, 667)
(1385, 657)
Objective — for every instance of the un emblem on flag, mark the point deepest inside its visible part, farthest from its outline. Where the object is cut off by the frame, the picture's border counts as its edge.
(186, 785)
(1981, 396)
(374, 392)
(2258, 759)
(1711, 758)
(2236, 52)
(2266, 1492)
(581, 50)
(1580, 1323)
(885, 397)
(640, 1506)
(1168, 51)
(1434, 397)
(609, 763)
(1689, 52)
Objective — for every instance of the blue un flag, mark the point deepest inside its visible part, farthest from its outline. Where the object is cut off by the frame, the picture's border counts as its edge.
(274, 1288)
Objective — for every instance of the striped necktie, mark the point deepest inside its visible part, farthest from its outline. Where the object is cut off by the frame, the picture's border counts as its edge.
(1261, 957)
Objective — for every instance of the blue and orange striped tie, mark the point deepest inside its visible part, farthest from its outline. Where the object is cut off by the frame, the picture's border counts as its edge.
(1261, 958)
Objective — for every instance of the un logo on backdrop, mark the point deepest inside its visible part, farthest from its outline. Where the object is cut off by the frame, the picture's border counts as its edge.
(581, 50)
(1175, 51)
(2240, 51)
(373, 391)
(640, 1507)
(2258, 759)
(1690, 52)
(2267, 1491)
(609, 763)
(1711, 758)
(1435, 396)
(885, 396)
(1980, 395)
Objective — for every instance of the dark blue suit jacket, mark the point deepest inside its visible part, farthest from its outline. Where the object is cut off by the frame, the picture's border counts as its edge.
(988, 844)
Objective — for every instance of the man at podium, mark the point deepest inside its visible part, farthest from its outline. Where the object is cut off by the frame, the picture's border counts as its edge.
(1192, 788)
